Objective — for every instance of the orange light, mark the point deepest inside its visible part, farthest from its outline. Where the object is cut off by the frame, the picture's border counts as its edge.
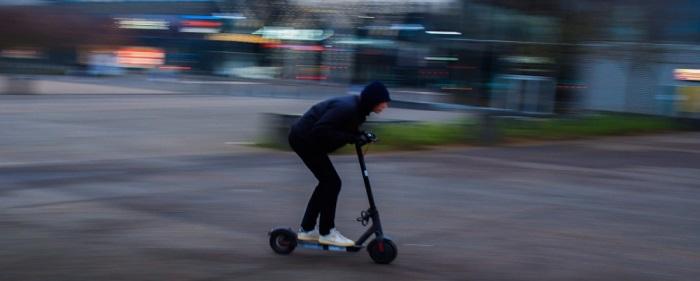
(140, 57)
(687, 74)
(141, 54)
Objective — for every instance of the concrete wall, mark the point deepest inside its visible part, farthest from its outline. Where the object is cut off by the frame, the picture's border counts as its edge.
(636, 78)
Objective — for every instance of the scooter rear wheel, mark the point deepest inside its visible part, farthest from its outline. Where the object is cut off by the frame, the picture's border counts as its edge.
(283, 241)
(382, 251)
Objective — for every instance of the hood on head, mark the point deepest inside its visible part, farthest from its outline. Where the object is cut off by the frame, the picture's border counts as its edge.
(372, 95)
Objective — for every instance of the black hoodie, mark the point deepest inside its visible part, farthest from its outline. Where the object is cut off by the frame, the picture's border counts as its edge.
(335, 122)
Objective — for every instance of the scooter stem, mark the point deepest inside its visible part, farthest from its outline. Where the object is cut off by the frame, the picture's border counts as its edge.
(365, 177)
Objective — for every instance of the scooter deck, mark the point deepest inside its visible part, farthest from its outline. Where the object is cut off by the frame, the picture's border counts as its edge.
(318, 246)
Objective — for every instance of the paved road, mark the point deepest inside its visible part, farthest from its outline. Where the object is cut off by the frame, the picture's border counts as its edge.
(41, 128)
(147, 205)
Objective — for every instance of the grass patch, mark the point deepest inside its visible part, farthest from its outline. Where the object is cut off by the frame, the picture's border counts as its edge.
(420, 135)
(588, 126)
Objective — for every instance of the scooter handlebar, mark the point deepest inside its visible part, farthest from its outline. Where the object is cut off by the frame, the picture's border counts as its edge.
(371, 136)
(366, 137)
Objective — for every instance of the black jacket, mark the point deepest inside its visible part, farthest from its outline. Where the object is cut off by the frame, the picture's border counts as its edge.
(330, 124)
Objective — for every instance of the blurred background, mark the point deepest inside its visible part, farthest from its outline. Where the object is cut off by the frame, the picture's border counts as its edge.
(135, 136)
(537, 56)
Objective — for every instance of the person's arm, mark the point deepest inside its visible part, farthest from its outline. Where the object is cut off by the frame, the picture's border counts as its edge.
(328, 126)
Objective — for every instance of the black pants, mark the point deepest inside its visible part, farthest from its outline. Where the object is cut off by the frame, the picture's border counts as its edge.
(325, 197)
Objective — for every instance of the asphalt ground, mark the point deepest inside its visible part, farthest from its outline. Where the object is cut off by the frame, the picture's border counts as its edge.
(135, 188)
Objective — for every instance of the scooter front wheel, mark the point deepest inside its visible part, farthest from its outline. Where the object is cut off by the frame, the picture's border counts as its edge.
(283, 241)
(382, 251)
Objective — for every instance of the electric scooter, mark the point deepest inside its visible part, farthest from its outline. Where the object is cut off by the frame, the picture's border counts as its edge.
(381, 249)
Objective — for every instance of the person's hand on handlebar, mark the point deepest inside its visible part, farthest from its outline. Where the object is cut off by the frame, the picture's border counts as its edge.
(365, 138)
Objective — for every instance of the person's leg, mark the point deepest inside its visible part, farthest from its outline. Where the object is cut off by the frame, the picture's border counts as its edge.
(324, 199)
(313, 207)
(329, 197)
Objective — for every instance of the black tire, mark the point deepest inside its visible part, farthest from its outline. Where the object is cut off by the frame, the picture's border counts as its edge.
(382, 251)
(283, 241)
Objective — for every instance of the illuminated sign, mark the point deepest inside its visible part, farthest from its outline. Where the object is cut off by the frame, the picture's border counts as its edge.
(441, 58)
(137, 23)
(399, 26)
(140, 57)
(310, 48)
(199, 30)
(687, 74)
(434, 32)
(200, 24)
(359, 41)
(285, 33)
(243, 38)
(232, 16)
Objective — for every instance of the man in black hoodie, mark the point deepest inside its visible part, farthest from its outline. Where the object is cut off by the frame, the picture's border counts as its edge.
(324, 128)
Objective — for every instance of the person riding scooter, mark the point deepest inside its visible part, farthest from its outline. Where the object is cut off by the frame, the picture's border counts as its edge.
(324, 128)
